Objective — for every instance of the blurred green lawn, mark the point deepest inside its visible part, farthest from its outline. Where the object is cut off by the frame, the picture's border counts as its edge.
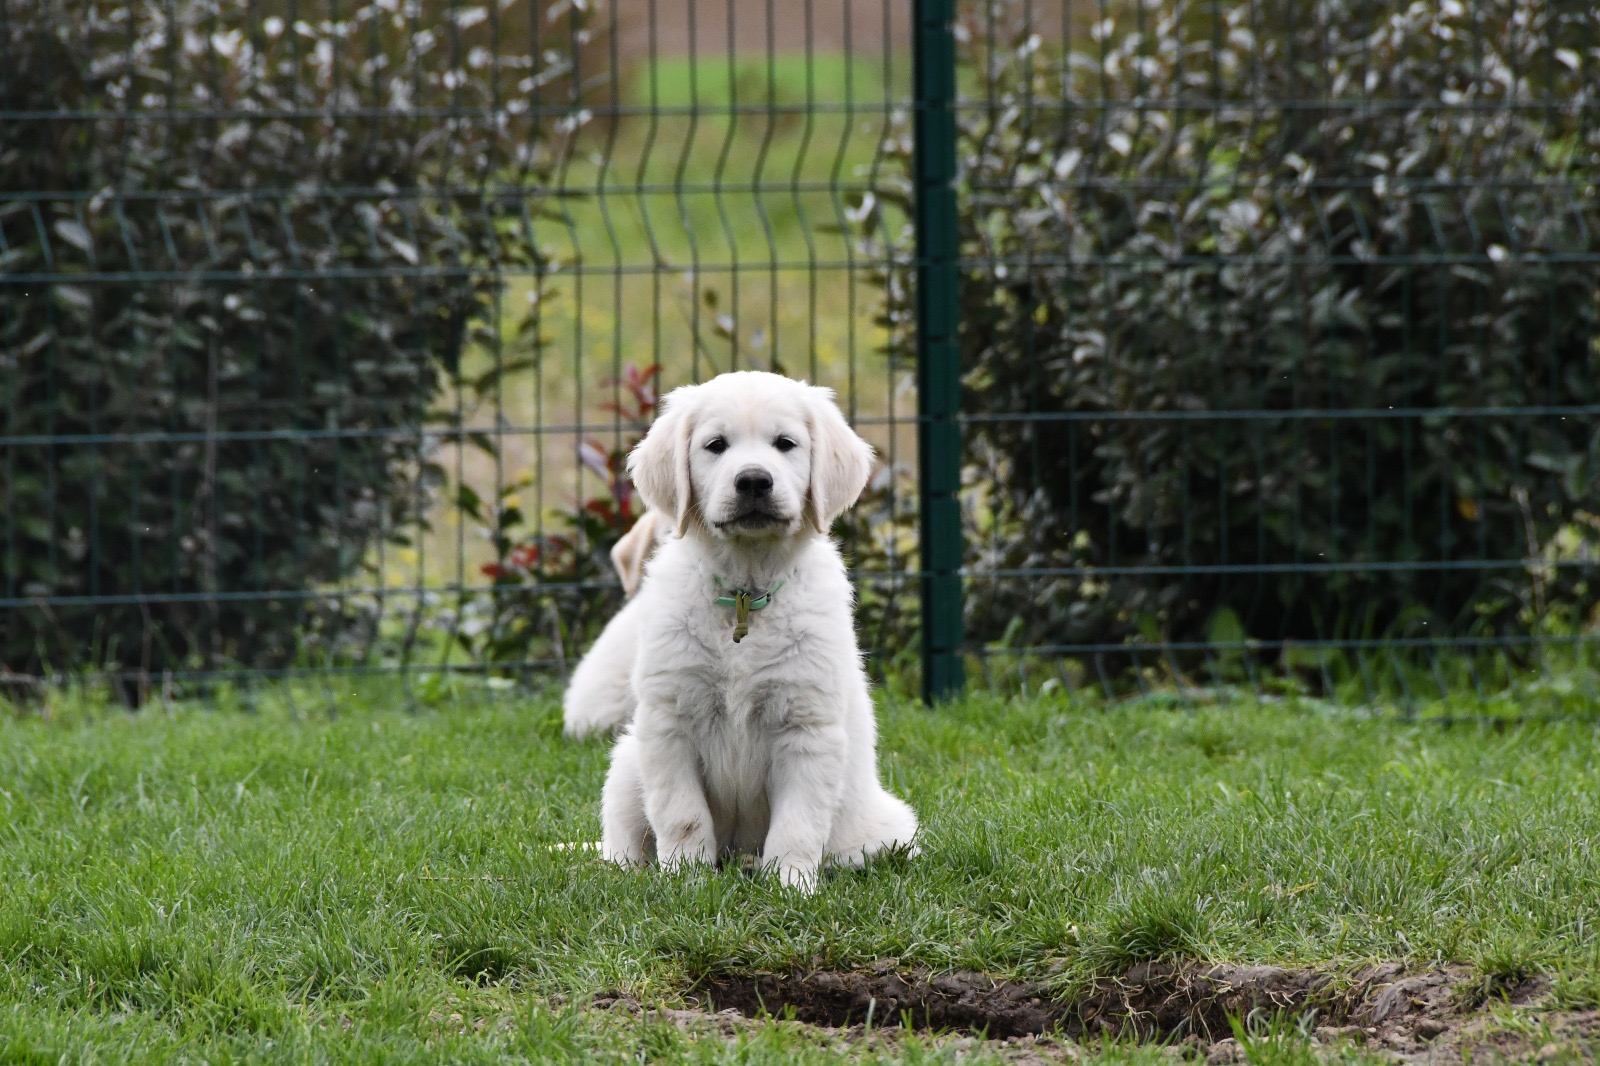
(704, 235)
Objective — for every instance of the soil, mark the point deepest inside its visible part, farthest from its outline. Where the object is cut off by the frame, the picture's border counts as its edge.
(1435, 1015)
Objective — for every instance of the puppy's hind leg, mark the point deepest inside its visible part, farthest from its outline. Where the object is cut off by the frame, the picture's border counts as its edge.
(599, 698)
(879, 822)
(625, 836)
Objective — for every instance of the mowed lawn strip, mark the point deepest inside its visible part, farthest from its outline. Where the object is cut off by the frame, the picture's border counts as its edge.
(349, 880)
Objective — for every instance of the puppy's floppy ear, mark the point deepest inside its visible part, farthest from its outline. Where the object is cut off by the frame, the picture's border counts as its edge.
(841, 462)
(628, 555)
(659, 464)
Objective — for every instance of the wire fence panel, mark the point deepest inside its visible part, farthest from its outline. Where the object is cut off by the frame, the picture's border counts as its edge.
(325, 327)
(1280, 344)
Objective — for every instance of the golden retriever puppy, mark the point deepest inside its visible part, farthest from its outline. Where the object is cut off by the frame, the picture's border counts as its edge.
(599, 696)
(754, 730)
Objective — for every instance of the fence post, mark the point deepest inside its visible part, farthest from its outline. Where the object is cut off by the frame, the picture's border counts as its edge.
(938, 361)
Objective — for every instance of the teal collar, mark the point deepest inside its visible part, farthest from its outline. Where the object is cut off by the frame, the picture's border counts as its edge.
(743, 602)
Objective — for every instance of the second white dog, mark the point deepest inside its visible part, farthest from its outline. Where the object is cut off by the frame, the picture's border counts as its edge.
(599, 698)
(754, 730)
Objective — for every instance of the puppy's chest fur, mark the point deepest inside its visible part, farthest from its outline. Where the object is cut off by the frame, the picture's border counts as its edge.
(746, 685)
(785, 641)
(735, 715)
(737, 702)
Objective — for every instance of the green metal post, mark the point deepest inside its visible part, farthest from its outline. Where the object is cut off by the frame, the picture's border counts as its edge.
(938, 360)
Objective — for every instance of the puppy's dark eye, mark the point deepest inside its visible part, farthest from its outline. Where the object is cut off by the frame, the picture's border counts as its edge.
(716, 445)
(784, 444)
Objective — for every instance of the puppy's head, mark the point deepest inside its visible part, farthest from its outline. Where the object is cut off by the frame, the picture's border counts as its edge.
(750, 455)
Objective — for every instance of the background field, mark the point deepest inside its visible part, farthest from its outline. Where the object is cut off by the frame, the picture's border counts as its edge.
(1277, 361)
(700, 224)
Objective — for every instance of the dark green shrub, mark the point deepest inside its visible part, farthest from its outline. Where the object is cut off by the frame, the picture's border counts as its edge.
(1258, 269)
(234, 274)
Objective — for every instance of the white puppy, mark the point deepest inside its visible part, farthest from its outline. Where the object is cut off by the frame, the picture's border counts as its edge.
(599, 698)
(634, 549)
(754, 730)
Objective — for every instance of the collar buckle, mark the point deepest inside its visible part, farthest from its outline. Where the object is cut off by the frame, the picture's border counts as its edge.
(743, 602)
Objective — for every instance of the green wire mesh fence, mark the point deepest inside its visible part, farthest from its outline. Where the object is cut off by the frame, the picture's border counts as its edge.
(1280, 343)
(1257, 341)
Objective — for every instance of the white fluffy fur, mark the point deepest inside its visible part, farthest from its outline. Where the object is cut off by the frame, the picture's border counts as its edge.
(599, 696)
(769, 745)
(631, 552)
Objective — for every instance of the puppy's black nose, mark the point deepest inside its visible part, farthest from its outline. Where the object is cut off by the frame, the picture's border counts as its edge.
(753, 481)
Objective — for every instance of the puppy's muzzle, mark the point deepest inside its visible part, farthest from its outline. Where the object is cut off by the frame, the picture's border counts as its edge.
(753, 506)
(753, 483)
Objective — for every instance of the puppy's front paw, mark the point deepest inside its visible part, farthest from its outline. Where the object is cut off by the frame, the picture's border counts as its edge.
(623, 856)
(688, 850)
(799, 876)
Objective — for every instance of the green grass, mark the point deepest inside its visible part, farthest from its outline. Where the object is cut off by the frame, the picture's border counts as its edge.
(334, 877)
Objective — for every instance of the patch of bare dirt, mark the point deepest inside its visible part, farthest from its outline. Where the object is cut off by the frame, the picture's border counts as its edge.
(1434, 1015)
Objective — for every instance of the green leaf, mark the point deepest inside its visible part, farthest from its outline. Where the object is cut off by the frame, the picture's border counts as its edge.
(468, 500)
